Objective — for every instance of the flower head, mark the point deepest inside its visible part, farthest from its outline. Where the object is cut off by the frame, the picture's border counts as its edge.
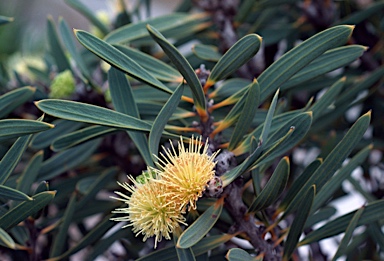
(150, 211)
(187, 172)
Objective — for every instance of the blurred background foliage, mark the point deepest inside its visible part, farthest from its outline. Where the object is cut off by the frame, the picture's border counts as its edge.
(59, 169)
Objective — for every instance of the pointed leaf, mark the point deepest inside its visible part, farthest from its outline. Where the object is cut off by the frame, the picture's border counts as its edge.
(291, 62)
(44, 140)
(296, 229)
(72, 139)
(89, 14)
(124, 102)
(118, 59)
(327, 62)
(5, 19)
(159, 69)
(6, 239)
(268, 120)
(11, 158)
(164, 24)
(194, 233)
(11, 100)
(12, 128)
(239, 54)
(29, 174)
(162, 119)
(373, 211)
(182, 65)
(77, 111)
(59, 240)
(320, 215)
(246, 115)
(66, 160)
(13, 194)
(26, 209)
(273, 188)
(55, 47)
(335, 182)
(348, 234)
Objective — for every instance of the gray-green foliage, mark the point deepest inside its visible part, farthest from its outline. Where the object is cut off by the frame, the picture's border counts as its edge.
(113, 124)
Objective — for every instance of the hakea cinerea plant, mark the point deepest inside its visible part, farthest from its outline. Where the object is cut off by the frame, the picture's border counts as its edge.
(160, 197)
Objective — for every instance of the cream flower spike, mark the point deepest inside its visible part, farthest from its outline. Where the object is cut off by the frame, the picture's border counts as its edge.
(150, 211)
(186, 173)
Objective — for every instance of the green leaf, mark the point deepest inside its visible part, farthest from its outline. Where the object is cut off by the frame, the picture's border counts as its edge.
(335, 158)
(162, 119)
(335, 182)
(124, 102)
(273, 188)
(182, 65)
(60, 240)
(326, 62)
(77, 111)
(164, 24)
(118, 59)
(296, 229)
(246, 115)
(373, 212)
(66, 160)
(298, 184)
(26, 209)
(159, 69)
(13, 99)
(183, 253)
(55, 47)
(327, 98)
(72, 139)
(291, 62)
(194, 233)
(348, 234)
(206, 52)
(13, 128)
(11, 158)
(320, 215)
(268, 119)
(237, 254)
(45, 139)
(94, 235)
(5, 19)
(89, 14)
(69, 43)
(359, 16)
(240, 53)
(29, 174)
(13, 194)
(6, 239)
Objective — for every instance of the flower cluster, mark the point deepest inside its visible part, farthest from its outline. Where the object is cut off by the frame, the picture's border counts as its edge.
(161, 196)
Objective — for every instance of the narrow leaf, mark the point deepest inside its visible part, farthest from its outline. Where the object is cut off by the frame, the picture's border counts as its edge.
(273, 188)
(29, 174)
(11, 158)
(12, 128)
(124, 102)
(240, 53)
(206, 52)
(291, 62)
(13, 194)
(268, 120)
(55, 47)
(298, 223)
(7, 239)
(182, 65)
(182, 253)
(11, 100)
(77, 111)
(162, 119)
(118, 59)
(246, 116)
(26, 209)
(348, 234)
(194, 233)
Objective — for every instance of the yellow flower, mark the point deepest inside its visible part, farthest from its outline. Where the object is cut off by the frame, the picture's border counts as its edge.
(150, 210)
(186, 174)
